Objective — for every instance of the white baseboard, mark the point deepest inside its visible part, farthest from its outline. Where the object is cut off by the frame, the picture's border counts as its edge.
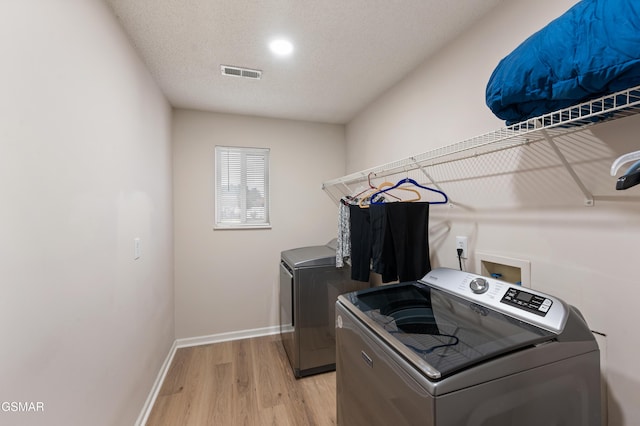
(155, 389)
(225, 337)
(195, 341)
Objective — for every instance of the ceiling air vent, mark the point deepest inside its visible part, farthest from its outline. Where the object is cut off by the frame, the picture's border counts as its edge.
(240, 72)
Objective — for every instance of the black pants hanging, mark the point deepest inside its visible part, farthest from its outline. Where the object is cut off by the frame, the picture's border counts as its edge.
(408, 224)
(391, 237)
(360, 243)
(382, 252)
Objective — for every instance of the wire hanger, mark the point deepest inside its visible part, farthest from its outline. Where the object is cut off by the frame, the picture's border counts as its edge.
(387, 184)
(363, 201)
(366, 189)
(409, 180)
(371, 188)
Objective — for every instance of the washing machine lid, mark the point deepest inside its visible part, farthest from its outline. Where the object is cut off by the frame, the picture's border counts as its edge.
(313, 256)
(440, 333)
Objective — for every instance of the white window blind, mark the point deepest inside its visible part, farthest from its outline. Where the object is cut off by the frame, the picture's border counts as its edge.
(242, 187)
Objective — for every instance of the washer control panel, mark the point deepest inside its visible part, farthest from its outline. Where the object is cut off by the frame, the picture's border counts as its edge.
(525, 304)
(538, 305)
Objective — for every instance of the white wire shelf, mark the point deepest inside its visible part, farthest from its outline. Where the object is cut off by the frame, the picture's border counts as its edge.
(546, 127)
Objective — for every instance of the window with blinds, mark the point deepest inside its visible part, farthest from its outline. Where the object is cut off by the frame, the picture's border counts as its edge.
(242, 187)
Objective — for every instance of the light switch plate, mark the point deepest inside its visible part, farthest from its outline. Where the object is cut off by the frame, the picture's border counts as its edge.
(136, 248)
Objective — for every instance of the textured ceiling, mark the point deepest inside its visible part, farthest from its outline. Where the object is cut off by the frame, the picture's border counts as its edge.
(347, 52)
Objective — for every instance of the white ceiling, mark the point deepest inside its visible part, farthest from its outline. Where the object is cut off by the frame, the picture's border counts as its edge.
(347, 52)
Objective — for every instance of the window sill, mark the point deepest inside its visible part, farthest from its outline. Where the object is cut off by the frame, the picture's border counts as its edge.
(240, 227)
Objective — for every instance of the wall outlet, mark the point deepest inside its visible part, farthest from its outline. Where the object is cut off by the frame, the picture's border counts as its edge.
(461, 243)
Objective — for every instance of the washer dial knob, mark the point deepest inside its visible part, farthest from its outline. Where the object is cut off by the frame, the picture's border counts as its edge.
(479, 285)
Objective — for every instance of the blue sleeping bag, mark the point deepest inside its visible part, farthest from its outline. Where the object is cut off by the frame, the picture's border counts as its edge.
(590, 51)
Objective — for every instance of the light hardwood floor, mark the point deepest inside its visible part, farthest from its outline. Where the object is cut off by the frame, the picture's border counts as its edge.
(242, 382)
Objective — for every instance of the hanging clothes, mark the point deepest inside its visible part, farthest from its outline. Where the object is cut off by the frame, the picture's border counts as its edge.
(382, 251)
(343, 247)
(360, 243)
(391, 239)
(408, 225)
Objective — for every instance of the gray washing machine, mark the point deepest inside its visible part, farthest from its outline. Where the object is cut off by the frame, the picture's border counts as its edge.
(455, 349)
(309, 287)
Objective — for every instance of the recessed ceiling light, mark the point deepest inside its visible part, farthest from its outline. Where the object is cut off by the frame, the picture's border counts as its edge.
(281, 47)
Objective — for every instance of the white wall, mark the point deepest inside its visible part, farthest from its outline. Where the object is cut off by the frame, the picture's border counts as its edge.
(84, 168)
(227, 280)
(585, 255)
